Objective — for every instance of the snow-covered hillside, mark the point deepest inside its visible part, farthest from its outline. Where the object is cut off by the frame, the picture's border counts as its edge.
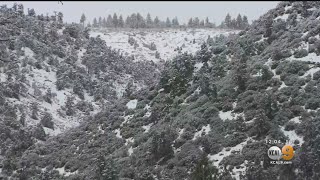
(166, 41)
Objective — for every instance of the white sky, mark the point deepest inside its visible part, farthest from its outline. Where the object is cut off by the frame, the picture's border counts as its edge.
(215, 10)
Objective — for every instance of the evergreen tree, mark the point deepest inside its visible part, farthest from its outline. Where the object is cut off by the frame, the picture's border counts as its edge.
(106, 169)
(196, 22)
(207, 22)
(100, 22)
(201, 23)
(60, 19)
(20, 9)
(23, 119)
(175, 22)
(104, 22)
(190, 22)
(149, 21)
(239, 23)
(31, 12)
(46, 120)
(240, 73)
(227, 21)
(268, 26)
(156, 21)
(168, 23)
(127, 22)
(47, 97)
(245, 22)
(140, 21)
(110, 21)
(115, 20)
(95, 23)
(69, 106)
(82, 19)
(34, 110)
(204, 170)
(120, 22)
(261, 124)
(39, 133)
(233, 24)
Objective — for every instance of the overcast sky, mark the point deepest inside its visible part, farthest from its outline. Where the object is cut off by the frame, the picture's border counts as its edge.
(216, 11)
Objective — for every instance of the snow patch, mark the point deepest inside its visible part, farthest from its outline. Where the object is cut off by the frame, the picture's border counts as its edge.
(292, 135)
(283, 17)
(117, 131)
(198, 66)
(311, 57)
(126, 119)
(132, 104)
(129, 140)
(229, 115)
(64, 173)
(147, 127)
(130, 150)
(204, 129)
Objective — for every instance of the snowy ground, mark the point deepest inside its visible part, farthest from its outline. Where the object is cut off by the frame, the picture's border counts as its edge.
(166, 41)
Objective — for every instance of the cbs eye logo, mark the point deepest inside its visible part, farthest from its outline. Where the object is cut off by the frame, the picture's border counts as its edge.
(286, 153)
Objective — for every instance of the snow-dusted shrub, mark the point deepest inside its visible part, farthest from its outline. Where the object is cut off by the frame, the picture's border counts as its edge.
(233, 160)
(300, 53)
(312, 103)
(316, 75)
(73, 30)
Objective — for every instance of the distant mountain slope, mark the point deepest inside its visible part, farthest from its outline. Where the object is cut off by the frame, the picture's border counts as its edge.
(144, 44)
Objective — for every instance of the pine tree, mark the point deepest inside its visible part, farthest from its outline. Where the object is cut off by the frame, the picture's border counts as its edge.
(268, 27)
(47, 97)
(140, 21)
(69, 106)
(120, 22)
(115, 20)
(100, 22)
(60, 19)
(149, 21)
(190, 22)
(233, 24)
(39, 133)
(104, 22)
(261, 124)
(196, 22)
(46, 120)
(245, 22)
(204, 170)
(201, 23)
(110, 21)
(106, 169)
(127, 22)
(207, 22)
(31, 12)
(175, 22)
(239, 24)
(240, 73)
(95, 23)
(82, 19)
(156, 21)
(34, 110)
(20, 9)
(23, 119)
(168, 22)
(227, 21)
